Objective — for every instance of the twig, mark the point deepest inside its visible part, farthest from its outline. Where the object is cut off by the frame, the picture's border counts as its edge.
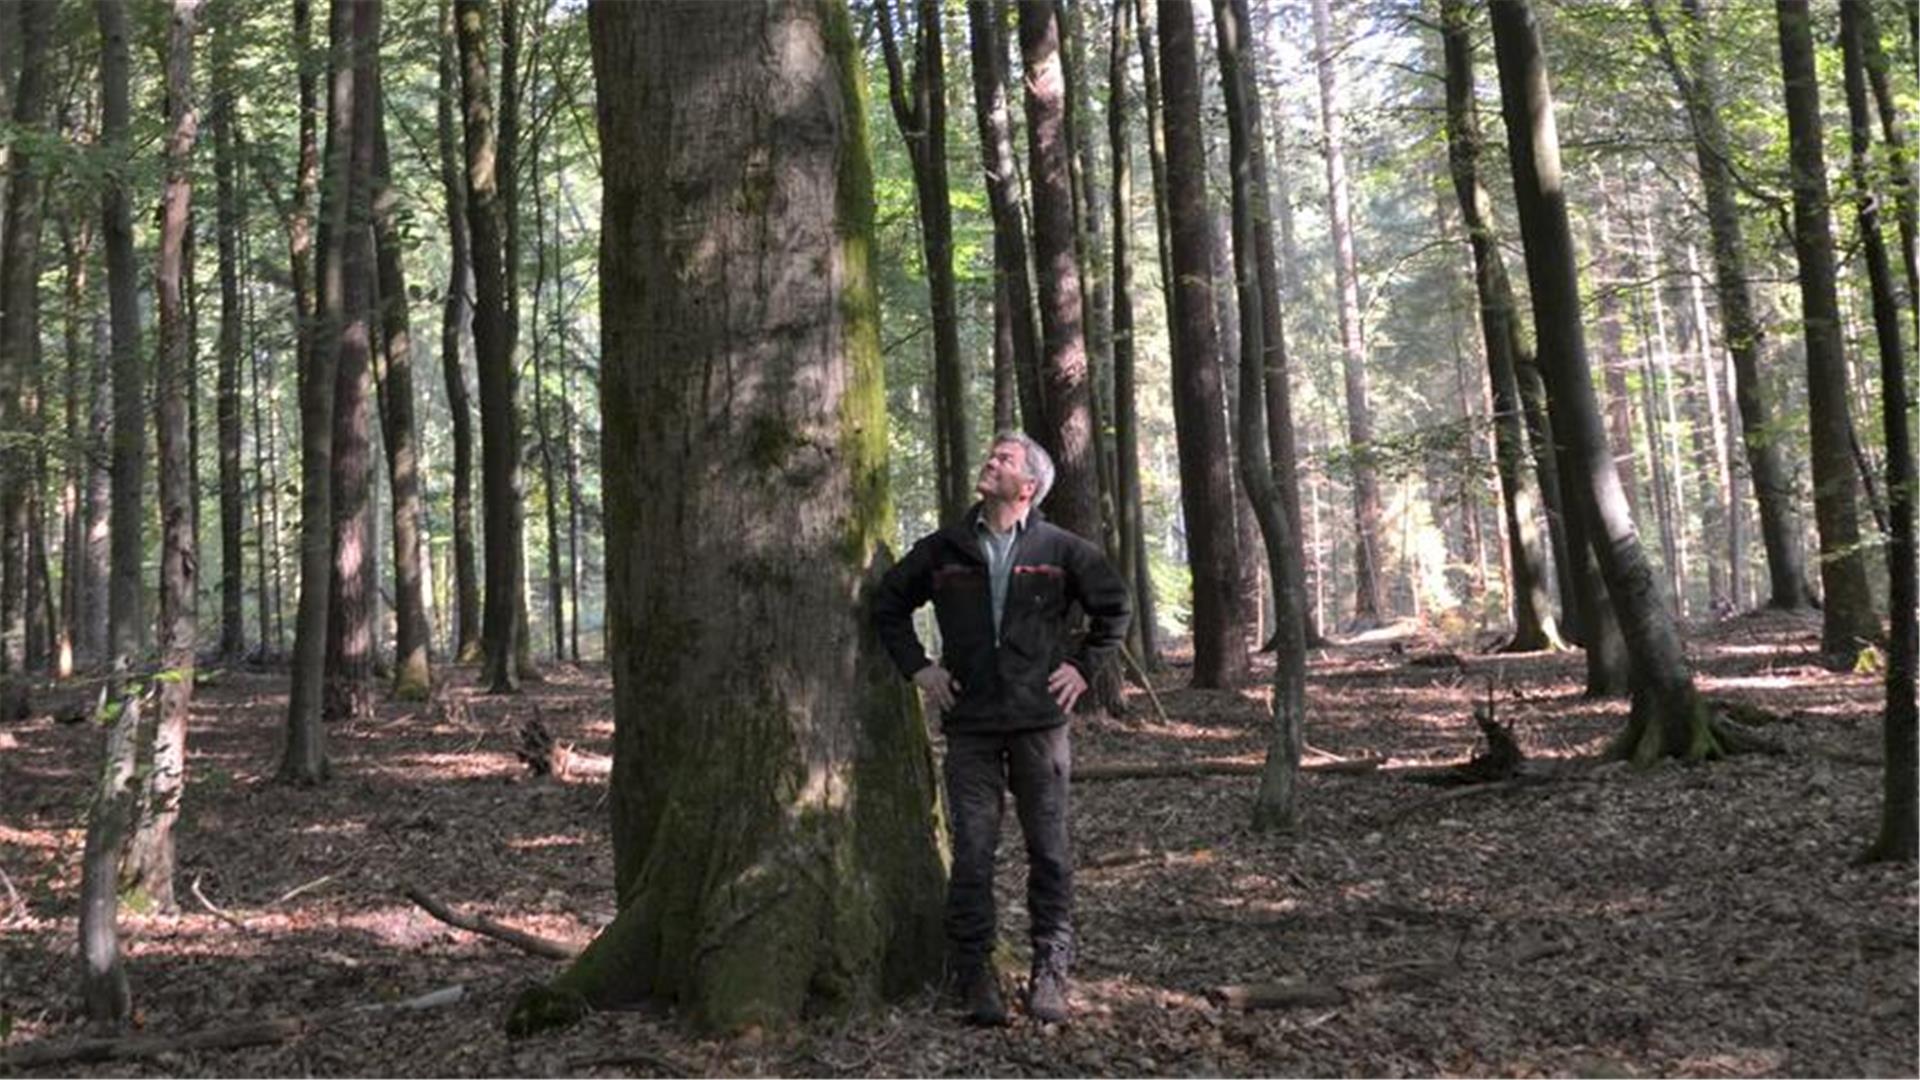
(1157, 770)
(213, 909)
(14, 906)
(233, 1036)
(1145, 684)
(296, 891)
(480, 924)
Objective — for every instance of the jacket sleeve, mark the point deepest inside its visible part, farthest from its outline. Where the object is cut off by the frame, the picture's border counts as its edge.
(905, 586)
(1103, 596)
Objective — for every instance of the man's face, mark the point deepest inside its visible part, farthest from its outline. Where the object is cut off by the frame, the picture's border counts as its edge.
(1004, 474)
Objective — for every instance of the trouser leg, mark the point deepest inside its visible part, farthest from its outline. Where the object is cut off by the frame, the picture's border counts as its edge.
(975, 776)
(1039, 766)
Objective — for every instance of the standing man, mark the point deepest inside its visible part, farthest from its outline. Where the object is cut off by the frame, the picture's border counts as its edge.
(1002, 581)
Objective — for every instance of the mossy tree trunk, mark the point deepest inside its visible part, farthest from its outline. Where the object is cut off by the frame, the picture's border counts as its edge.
(773, 790)
(1668, 718)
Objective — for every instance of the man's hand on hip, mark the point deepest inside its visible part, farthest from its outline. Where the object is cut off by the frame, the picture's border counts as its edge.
(1066, 684)
(938, 686)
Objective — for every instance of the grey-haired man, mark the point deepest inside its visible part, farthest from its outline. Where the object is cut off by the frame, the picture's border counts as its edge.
(1003, 581)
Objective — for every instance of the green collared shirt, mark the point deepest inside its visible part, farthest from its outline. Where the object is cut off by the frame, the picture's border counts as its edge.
(998, 548)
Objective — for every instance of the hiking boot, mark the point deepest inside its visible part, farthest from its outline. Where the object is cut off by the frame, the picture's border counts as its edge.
(980, 998)
(1047, 990)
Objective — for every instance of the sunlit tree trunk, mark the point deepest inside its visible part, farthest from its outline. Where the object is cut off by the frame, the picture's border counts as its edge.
(456, 340)
(768, 864)
(1141, 636)
(1847, 614)
(150, 858)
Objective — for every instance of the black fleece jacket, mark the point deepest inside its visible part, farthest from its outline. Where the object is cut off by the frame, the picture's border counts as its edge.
(1003, 677)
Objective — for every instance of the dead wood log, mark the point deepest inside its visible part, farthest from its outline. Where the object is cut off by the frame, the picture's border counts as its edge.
(231, 1037)
(103, 978)
(480, 924)
(546, 756)
(1309, 993)
(1163, 770)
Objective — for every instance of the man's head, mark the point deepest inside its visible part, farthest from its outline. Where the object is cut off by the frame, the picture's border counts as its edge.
(1018, 471)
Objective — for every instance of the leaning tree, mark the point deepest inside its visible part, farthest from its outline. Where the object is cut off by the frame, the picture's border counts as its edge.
(775, 851)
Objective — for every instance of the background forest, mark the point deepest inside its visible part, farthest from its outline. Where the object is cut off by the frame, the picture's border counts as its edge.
(304, 309)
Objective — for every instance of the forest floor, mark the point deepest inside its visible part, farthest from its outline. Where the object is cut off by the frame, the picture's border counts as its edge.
(1681, 920)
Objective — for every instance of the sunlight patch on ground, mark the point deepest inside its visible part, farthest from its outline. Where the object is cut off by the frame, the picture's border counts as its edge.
(44, 839)
(421, 767)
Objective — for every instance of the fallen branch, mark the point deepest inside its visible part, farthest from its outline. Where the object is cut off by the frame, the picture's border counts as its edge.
(231, 1037)
(213, 909)
(297, 890)
(1146, 684)
(1307, 993)
(1158, 770)
(1418, 806)
(480, 924)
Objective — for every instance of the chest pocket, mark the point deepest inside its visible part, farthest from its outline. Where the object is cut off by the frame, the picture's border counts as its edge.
(1040, 586)
(958, 577)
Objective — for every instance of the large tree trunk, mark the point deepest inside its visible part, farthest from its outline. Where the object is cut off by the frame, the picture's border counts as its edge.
(150, 860)
(229, 215)
(769, 864)
(129, 373)
(493, 337)
(351, 614)
(1668, 718)
(1141, 635)
(306, 756)
(1533, 622)
(1090, 252)
(920, 108)
(1847, 616)
(1067, 432)
(1899, 836)
(19, 352)
(1013, 290)
(1206, 493)
(1370, 602)
(1274, 808)
(412, 671)
(456, 338)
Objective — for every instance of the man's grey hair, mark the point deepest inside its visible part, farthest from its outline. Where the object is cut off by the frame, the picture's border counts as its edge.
(1039, 462)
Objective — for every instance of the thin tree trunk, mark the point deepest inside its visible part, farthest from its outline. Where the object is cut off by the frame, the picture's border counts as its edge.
(1847, 615)
(456, 339)
(1090, 253)
(104, 989)
(1206, 496)
(1370, 598)
(1668, 718)
(150, 860)
(1141, 635)
(1899, 836)
(549, 334)
(493, 333)
(266, 473)
(1275, 806)
(1698, 83)
(129, 373)
(1065, 393)
(1248, 600)
(986, 22)
(1900, 177)
(229, 214)
(1722, 514)
(76, 587)
(393, 367)
(94, 636)
(1657, 458)
(1534, 626)
(920, 109)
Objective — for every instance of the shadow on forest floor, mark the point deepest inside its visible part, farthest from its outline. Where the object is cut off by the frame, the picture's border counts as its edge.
(1682, 920)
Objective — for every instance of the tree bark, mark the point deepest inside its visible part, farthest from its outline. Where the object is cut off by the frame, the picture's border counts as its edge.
(1142, 634)
(150, 859)
(1899, 836)
(97, 554)
(456, 339)
(810, 882)
(76, 584)
(1206, 494)
(129, 374)
(493, 336)
(549, 335)
(393, 368)
(1668, 717)
(1013, 290)
(19, 352)
(229, 214)
(1370, 600)
(1066, 395)
(104, 990)
(1534, 626)
(1847, 616)
(1275, 806)
(920, 108)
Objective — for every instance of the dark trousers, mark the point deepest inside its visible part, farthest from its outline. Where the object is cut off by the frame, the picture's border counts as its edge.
(1035, 765)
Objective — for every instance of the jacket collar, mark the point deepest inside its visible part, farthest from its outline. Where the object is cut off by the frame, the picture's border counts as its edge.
(961, 533)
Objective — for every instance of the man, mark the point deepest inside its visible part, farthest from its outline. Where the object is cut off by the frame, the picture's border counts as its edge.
(1002, 581)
